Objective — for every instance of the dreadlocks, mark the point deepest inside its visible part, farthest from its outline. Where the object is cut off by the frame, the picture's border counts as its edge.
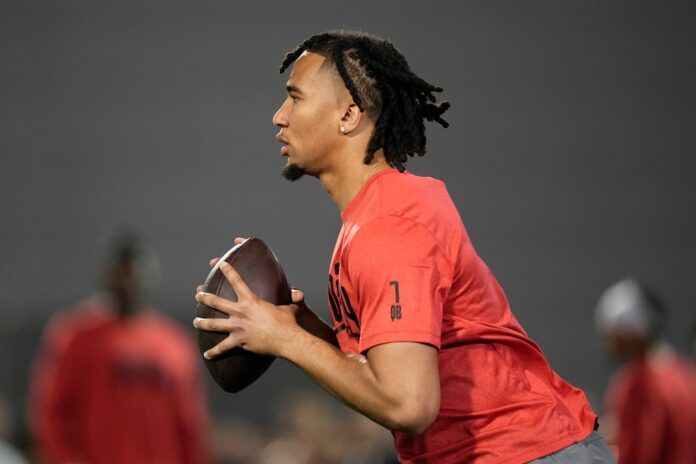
(383, 86)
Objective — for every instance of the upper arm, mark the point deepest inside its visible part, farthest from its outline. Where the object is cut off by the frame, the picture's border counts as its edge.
(408, 371)
(400, 277)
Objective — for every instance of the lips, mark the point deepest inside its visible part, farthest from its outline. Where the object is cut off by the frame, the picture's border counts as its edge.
(284, 148)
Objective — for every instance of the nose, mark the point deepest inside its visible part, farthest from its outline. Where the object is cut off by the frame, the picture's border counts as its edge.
(280, 118)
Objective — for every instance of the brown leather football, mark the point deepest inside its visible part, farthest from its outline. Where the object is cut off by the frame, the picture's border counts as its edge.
(258, 266)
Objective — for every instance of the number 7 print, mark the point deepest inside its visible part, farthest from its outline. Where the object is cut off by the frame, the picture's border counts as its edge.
(396, 307)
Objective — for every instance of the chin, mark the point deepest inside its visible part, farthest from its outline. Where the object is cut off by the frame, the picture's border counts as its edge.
(292, 172)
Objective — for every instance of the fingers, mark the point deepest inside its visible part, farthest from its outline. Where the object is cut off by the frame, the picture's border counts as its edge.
(230, 325)
(214, 261)
(199, 289)
(297, 295)
(224, 346)
(240, 287)
(217, 324)
(221, 304)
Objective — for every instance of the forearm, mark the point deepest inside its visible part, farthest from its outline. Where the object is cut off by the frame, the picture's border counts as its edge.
(397, 385)
(313, 324)
(352, 379)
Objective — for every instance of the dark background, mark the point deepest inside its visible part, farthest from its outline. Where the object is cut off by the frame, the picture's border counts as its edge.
(571, 155)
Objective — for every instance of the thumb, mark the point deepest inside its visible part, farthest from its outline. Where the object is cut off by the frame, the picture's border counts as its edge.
(297, 295)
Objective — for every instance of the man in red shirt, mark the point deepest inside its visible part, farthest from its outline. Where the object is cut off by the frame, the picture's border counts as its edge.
(115, 382)
(423, 340)
(652, 398)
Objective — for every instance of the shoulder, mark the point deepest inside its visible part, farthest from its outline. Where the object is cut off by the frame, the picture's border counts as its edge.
(86, 315)
(413, 207)
(392, 230)
(395, 240)
(669, 367)
(410, 190)
(166, 327)
(424, 200)
(154, 317)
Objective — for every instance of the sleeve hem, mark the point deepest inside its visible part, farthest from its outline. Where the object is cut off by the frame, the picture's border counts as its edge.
(401, 336)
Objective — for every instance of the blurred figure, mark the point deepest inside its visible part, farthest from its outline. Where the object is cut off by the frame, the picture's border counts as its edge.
(306, 430)
(237, 441)
(366, 442)
(652, 398)
(8, 453)
(116, 382)
(310, 430)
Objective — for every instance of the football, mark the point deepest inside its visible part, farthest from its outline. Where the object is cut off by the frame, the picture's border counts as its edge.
(258, 266)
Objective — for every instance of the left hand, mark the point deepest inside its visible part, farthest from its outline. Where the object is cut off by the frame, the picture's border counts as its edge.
(253, 323)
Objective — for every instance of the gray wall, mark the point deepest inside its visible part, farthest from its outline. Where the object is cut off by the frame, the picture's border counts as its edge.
(570, 153)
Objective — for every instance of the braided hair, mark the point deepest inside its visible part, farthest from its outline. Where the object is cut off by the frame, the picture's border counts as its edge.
(383, 86)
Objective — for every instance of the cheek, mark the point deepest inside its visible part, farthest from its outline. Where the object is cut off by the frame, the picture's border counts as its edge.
(315, 123)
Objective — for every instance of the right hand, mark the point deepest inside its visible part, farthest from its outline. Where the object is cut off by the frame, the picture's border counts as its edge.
(297, 295)
(306, 318)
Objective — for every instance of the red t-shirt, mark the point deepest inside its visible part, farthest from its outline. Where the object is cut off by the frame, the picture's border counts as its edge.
(654, 403)
(108, 389)
(404, 270)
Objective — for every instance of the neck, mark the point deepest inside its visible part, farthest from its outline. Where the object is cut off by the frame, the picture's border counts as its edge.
(125, 306)
(344, 181)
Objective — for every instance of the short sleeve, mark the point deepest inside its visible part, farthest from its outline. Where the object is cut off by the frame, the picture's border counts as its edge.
(401, 277)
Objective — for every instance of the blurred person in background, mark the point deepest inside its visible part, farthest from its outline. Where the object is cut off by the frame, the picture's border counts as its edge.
(651, 400)
(116, 381)
(237, 441)
(306, 430)
(8, 453)
(311, 430)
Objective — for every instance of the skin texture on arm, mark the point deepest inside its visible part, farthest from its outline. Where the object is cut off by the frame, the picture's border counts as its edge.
(309, 321)
(397, 385)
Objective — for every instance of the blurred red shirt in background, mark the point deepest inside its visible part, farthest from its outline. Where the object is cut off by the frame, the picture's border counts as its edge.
(118, 389)
(653, 401)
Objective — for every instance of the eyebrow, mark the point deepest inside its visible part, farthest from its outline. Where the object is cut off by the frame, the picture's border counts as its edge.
(293, 89)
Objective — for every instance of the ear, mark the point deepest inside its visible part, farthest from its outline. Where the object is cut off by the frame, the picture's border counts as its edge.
(351, 117)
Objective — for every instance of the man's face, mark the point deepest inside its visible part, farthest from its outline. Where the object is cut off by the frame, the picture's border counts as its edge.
(309, 118)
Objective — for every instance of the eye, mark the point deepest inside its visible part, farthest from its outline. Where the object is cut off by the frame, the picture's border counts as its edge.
(294, 98)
